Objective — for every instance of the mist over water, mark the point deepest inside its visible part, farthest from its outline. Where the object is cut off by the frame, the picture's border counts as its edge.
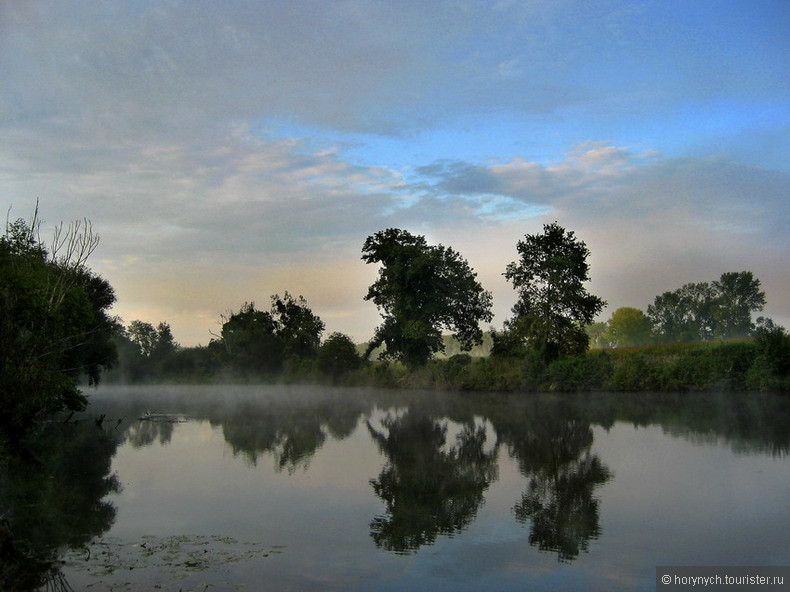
(277, 487)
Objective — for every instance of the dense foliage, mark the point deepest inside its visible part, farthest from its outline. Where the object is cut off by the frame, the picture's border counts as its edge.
(553, 305)
(55, 328)
(422, 289)
(703, 311)
(54, 324)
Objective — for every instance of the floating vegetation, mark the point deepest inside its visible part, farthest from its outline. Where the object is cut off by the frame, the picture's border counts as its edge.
(162, 417)
(162, 559)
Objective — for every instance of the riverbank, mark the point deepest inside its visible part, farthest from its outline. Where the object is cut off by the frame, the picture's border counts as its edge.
(720, 366)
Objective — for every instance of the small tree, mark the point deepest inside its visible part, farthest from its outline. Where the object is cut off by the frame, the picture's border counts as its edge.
(251, 341)
(151, 349)
(553, 305)
(738, 296)
(628, 327)
(422, 289)
(338, 355)
(298, 327)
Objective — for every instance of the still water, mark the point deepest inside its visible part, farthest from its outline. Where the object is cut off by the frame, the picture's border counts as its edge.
(294, 488)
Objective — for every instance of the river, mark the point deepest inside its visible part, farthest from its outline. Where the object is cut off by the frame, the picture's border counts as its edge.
(310, 488)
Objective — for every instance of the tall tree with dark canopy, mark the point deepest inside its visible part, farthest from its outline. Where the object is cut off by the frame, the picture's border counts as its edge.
(421, 290)
(553, 305)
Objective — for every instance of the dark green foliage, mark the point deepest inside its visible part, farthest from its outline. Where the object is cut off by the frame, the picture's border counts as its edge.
(577, 373)
(738, 295)
(54, 324)
(772, 367)
(197, 364)
(731, 366)
(251, 341)
(508, 344)
(144, 352)
(260, 343)
(702, 312)
(422, 289)
(553, 305)
(338, 356)
(297, 327)
(681, 368)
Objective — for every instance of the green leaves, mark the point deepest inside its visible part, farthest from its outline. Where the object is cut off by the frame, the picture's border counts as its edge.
(701, 312)
(422, 289)
(54, 323)
(553, 304)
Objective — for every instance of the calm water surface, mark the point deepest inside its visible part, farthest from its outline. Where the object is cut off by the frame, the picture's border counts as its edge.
(294, 488)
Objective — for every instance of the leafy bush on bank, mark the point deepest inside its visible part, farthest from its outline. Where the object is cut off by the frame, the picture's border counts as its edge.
(729, 366)
(759, 364)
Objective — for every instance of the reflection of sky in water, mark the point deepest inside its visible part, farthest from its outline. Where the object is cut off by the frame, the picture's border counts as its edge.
(671, 501)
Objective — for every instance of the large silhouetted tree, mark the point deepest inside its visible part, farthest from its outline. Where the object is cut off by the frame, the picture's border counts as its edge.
(553, 304)
(421, 290)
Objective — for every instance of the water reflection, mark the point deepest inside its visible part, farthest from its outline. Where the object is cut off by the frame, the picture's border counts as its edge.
(428, 490)
(553, 452)
(289, 431)
(53, 498)
(140, 434)
(440, 455)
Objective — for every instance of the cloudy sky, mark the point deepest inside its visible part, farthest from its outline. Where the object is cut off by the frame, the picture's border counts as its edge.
(227, 151)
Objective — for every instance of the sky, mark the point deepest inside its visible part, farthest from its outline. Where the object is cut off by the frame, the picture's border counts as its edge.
(229, 151)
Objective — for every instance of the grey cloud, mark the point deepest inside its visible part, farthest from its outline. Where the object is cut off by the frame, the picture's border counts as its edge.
(461, 178)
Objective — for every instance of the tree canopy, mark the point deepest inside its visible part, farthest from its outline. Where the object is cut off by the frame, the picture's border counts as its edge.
(627, 327)
(54, 323)
(553, 304)
(422, 289)
(257, 341)
(705, 311)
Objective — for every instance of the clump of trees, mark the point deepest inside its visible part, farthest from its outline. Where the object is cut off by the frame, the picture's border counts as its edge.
(55, 327)
(701, 312)
(252, 344)
(266, 342)
(55, 324)
(145, 351)
(696, 312)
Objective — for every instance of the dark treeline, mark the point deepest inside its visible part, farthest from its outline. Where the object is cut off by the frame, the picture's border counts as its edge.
(55, 329)
(424, 290)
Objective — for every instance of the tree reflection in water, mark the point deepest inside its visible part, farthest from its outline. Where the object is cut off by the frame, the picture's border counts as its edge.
(552, 447)
(54, 499)
(291, 432)
(427, 488)
(561, 508)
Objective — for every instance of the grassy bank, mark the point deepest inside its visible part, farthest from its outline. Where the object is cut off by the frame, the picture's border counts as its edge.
(727, 366)
(761, 364)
